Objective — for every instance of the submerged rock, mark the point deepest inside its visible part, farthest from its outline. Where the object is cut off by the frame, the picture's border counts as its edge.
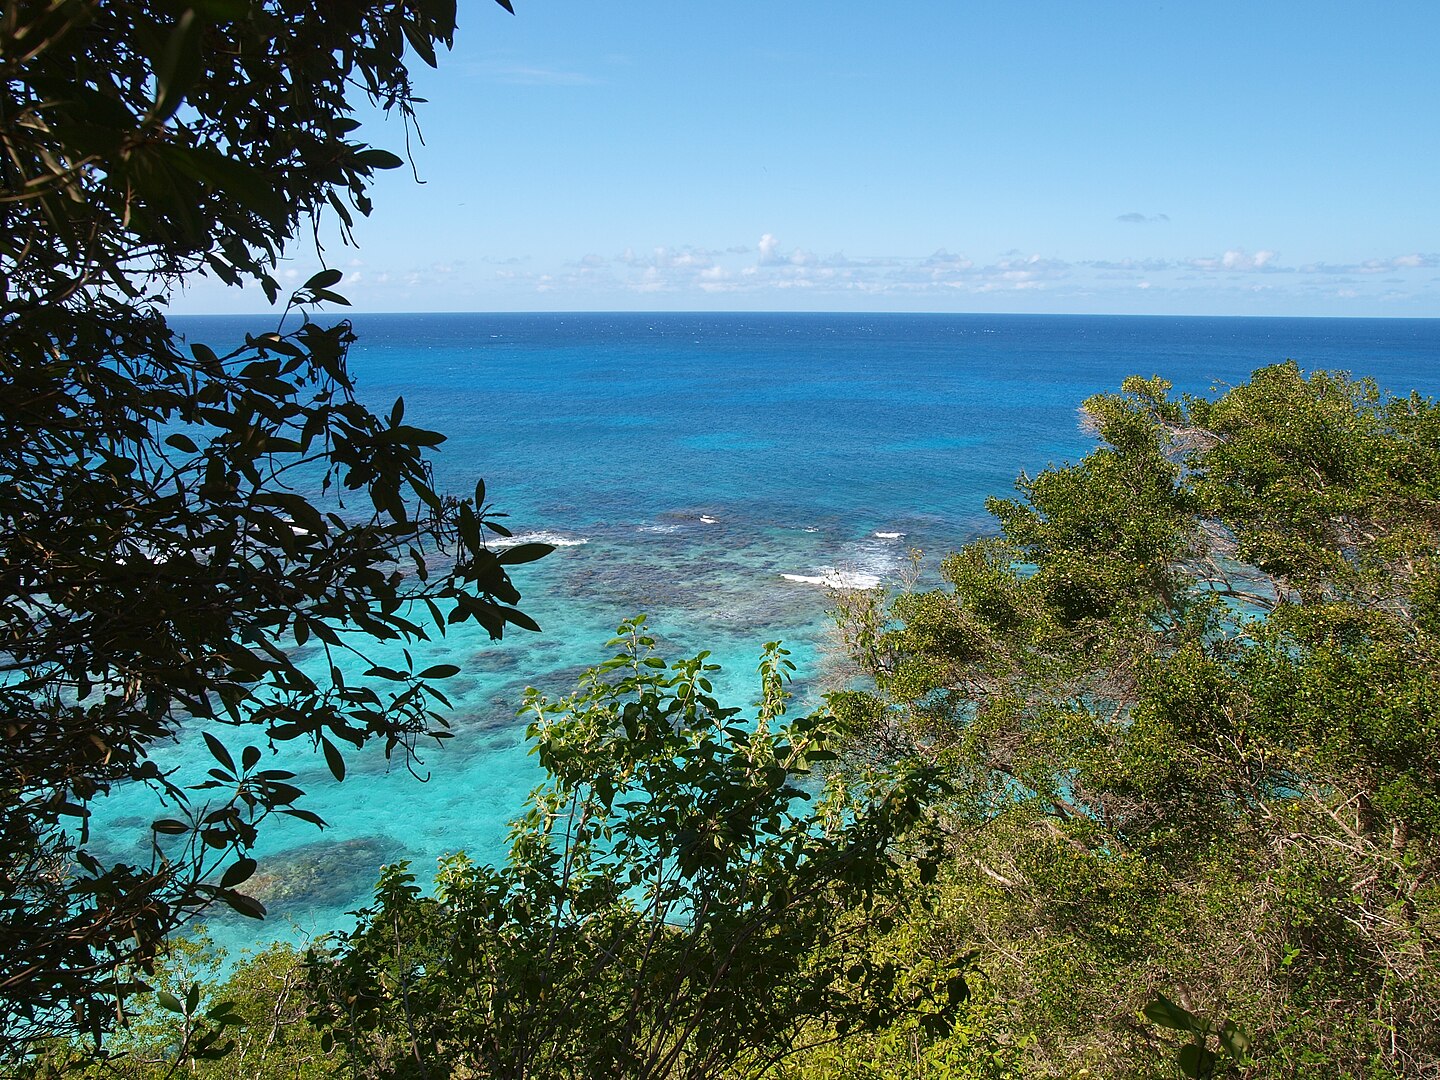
(323, 874)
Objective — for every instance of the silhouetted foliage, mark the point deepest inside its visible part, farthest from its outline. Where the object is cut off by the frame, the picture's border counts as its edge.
(172, 519)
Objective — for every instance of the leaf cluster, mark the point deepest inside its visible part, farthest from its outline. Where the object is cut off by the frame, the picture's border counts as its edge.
(672, 905)
(1186, 700)
(177, 521)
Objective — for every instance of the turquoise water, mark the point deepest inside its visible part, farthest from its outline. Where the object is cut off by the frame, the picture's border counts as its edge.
(715, 472)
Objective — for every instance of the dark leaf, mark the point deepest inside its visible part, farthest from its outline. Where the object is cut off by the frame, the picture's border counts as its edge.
(245, 905)
(218, 751)
(324, 279)
(238, 871)
(1196, 1061)
(333, 759)
(1167, 1014)
(523, 553)
(178, 66)
(375, 158)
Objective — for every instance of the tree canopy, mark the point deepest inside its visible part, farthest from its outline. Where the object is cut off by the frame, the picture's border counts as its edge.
(673, 905)
(174, 518)
(1188, 699)
(685, 896)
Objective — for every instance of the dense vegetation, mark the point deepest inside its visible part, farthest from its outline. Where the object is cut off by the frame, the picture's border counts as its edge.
(672, 907)
(174, 521)
(1150, 784)
(1187, 700)
(1147, 788)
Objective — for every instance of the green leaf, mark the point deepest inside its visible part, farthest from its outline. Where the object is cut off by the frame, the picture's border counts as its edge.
(520, 619)
(439, 671)
(1196, 1061)
(1234, 1040)
(205, 355)
(418, 41)
(1167, 1014)
(306, 816)
(222, 10)
(248, 186)
(167, 1000)
(183, 443)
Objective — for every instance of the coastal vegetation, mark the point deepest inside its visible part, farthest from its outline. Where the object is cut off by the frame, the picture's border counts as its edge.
(176, 521)
(1187, 703)
(1149, 785)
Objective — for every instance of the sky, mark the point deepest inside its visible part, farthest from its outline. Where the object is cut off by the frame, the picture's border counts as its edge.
(1227, 158)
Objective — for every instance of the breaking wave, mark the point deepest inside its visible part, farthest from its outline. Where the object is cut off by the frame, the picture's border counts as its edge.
(551, 538)
(832, 578)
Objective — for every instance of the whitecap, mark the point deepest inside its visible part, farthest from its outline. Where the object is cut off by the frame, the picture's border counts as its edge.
(553, 539)
(811, 528)
(665, 529)
(708, 520)
(832, 578)
(889, 535)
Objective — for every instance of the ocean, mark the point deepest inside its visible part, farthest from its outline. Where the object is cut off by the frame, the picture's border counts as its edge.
(719, 473)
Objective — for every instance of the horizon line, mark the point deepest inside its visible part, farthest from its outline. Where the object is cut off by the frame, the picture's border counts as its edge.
(346, 313)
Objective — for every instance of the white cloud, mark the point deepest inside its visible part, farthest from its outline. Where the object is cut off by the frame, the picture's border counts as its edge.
(943, 262)
(1237, 260)
(1413, 261)
(526, 75)
(1236, 279)
(771, 255)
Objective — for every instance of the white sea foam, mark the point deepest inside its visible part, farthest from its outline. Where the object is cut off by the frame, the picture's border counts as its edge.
(881, 558)
(553, 539)
(811, 528)
(666, 529)
(889, 535)
(708, 520)
(832, 578)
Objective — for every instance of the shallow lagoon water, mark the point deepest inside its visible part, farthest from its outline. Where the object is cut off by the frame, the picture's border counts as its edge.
(714, 472)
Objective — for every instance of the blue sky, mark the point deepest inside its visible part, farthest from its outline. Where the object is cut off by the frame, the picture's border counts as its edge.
(1269, 158)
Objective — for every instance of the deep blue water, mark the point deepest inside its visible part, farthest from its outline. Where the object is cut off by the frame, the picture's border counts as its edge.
(688, 464)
